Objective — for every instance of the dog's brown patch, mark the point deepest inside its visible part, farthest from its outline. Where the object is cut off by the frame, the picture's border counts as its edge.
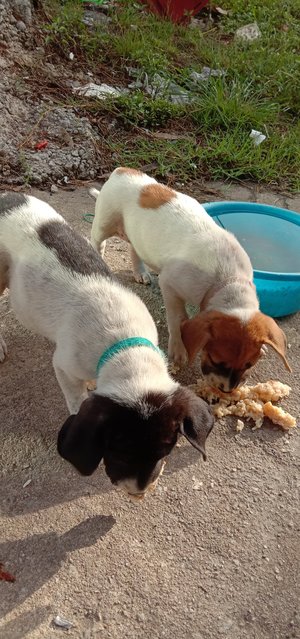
(128, 170)
(224, 338)
(153, 196)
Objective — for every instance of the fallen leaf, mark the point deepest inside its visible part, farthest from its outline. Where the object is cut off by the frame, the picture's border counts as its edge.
(161, 135)
(222, 12)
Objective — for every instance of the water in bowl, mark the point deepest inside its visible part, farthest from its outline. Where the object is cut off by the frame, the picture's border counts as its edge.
(273, 244)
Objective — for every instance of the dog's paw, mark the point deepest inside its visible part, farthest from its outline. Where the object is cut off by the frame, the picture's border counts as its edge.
(3, 349)
(177, 353)
(142, 278)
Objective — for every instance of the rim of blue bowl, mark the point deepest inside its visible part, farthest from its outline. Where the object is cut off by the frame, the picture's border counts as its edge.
(213, 208)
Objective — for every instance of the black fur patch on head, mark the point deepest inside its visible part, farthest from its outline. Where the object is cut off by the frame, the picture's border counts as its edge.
(10, 201)
(71, 249)
(133, 440)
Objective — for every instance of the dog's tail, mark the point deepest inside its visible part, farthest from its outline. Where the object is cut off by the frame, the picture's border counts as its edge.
(94, 193)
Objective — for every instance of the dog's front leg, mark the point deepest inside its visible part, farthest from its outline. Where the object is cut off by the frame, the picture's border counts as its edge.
(74, 390)
(176, 313)
(140, 272)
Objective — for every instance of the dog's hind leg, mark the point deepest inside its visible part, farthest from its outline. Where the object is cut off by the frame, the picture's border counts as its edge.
(4, 280)
(106, 222)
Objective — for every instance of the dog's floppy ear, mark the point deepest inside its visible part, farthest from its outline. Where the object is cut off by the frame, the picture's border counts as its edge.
(195, 333)
(197, 420)
(268, 332)
(81, 438)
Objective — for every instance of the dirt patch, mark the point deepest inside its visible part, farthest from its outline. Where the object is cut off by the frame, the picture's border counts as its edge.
(29, 114)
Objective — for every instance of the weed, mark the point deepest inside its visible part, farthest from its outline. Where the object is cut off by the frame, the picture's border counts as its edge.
(141, 111)
(26, 169)
(259, 89)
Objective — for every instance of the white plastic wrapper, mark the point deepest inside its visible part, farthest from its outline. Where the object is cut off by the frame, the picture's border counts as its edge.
(257, 136)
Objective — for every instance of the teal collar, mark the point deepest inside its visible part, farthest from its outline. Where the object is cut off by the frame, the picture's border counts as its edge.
(123, 345)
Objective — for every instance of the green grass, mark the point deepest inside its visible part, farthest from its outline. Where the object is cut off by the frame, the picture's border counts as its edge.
(260, 88)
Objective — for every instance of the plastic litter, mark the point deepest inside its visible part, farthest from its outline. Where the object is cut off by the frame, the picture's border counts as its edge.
(248, 33)
(41, 145)
(258, 137)
(99, 91)
(61, 622)
(176, 10)
(163, 87)
(159, 86)
(206, 73)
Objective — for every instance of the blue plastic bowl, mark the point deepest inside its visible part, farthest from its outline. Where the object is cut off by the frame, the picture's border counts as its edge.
(271, 237)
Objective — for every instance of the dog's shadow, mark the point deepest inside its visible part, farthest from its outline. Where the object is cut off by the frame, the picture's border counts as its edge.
(35, 559)
(25, 623)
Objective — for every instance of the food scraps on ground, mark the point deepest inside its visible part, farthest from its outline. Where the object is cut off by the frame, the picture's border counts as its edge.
(249, 402)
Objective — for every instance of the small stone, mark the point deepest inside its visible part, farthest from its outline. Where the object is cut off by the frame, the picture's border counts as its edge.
(53, 188)
(197, 485)
(225, 626)
(248, 616)
(27, 483)
(21, 26)
(141, 617)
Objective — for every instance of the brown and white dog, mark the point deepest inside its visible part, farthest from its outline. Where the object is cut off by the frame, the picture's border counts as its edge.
(198, 262)
(61, 288)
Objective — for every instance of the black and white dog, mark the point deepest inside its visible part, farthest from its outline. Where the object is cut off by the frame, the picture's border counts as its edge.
(61, 288)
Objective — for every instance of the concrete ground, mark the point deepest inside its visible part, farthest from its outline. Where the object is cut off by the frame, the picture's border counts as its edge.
(213, 552)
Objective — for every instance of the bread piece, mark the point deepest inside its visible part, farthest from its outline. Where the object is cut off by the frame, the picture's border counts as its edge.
(279, 416)
(249, 402)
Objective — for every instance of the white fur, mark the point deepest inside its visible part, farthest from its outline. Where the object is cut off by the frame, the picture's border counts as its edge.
(198, 261)
(82, 315)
